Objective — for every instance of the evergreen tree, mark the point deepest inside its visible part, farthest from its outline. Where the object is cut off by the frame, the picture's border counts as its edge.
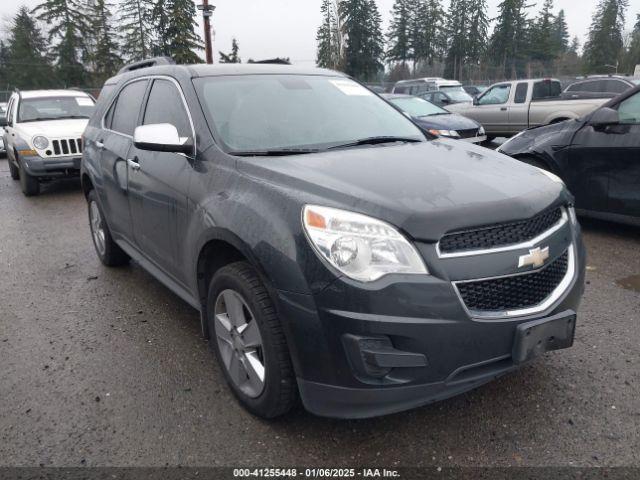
(106, 59)
(136, 28)
(509, 42)
(427, 37)
(232, 57)
(560, 33)
(457, 29)
(363, 49)
(543, 36)
(604, 44)
(183, 39)
(26, 61)
(478, 32)
(68, 26)
(399, 35)
(632, 56)
(328, 55)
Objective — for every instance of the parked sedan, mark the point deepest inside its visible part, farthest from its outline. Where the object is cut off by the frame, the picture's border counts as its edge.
(438, 121)
(597, 157)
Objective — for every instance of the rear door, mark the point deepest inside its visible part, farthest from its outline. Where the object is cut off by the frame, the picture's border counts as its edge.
(114, 143)
(623, 146)
(519, 109)
(159, 182)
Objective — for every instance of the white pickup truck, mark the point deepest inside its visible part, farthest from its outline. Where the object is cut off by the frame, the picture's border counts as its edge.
(43, 135)
(507, 108)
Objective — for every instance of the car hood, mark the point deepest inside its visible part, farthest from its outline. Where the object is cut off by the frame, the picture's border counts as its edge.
(450, 121)
(426, 189)
(73, 127)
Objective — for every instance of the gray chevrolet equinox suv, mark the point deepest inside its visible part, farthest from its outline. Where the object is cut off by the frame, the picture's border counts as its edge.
(335, 253)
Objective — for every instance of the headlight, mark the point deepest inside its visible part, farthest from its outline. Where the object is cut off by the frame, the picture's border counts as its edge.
(572, 215)
(361, 247)
(552, 176)
(40, 142)
(445, 133)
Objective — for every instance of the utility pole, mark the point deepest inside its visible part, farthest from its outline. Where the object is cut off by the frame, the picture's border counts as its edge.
(207, 11)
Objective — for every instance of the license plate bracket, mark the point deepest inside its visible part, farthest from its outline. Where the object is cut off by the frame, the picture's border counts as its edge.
(544, 335)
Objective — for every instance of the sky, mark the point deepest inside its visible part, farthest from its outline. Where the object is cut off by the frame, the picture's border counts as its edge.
(287, 28)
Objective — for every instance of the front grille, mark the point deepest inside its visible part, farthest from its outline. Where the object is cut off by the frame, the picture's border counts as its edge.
(468, 133)
(516, 292)
(500, 235)
(67, 146)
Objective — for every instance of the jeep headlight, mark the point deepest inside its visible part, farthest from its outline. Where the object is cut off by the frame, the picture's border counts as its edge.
(40, 142)
(361, 247)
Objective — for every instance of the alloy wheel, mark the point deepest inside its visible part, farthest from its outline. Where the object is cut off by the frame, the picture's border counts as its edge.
(240, 343)
(97, 228)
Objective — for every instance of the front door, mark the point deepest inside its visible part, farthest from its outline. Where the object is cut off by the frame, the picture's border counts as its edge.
(624, 159)
(492, 110)
(159, 183)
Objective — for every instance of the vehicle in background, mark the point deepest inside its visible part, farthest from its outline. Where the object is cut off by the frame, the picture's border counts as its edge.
(418, 86)
(334, 252)
(3, 150)
(475, 90)
(597, 156)
(507, 108)
(3, 109)
(600, 86)
(439, 98)
(43, 135)
(438, 121)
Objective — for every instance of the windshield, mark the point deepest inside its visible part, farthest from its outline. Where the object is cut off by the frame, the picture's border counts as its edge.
(417, 107)
(457, 94)
(269, 112)
(54, 108)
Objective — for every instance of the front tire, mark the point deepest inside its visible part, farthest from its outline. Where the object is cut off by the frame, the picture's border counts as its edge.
(247, 339)
(109, 253)
(13, 170)
(29, 184)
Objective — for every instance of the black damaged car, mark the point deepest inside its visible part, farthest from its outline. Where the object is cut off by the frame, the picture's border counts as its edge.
(334, 252)
(597, 156)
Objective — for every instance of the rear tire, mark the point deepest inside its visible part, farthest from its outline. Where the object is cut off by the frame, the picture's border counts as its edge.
(247, 339)
(108, 251)
(29, 184)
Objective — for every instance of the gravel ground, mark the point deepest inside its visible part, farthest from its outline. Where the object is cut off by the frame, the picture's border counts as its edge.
(107, 367)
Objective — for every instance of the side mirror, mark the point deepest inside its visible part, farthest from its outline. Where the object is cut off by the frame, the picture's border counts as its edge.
(161, 137)
(446, 101)
(476, 101)
(605, 116)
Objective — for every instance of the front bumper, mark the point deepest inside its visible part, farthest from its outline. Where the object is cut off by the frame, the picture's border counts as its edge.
(52, 167)
(419, 316)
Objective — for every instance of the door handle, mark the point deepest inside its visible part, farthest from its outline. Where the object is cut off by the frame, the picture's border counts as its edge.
(133, 164)
(100, 145)
(504, 109)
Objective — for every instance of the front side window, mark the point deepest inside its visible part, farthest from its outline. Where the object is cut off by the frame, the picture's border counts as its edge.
(629, 110)
(127, 107)
(271, 112)
(417, 107)
(165, 106)
(54, 108)
(457, 94)
(497, 95)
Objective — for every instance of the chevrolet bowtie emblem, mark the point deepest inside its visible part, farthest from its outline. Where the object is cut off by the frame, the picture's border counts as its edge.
(535, 258)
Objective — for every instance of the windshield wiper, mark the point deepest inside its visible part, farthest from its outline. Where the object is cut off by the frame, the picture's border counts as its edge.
(279, 152)
(376, 141)
(46, 119)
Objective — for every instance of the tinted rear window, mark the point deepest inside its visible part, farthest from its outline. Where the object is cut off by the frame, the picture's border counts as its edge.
(546, 89)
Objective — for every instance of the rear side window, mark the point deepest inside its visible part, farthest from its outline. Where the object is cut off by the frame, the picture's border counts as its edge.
(521, 93)
(546, 89)
(124, 117)
(593, 86)
(165, 106)
(400, 90)
(615, 86)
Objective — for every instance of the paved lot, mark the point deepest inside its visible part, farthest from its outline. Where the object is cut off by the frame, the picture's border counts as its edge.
(107, 367)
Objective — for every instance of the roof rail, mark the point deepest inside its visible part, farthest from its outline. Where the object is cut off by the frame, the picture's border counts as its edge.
(146, 63)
